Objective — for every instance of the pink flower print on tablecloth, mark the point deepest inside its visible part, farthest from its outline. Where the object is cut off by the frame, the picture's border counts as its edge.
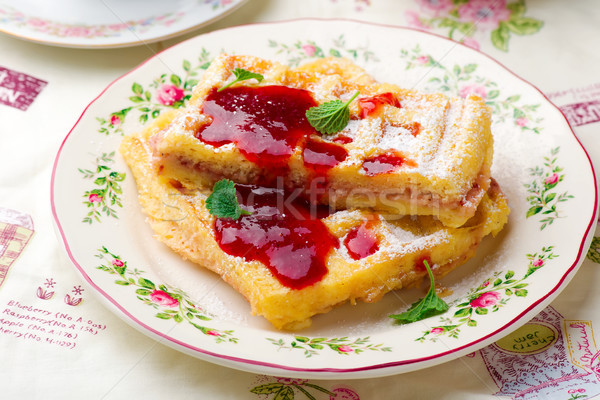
(484, 12)
(486, 299)
(438, 7)
(163, 299)
(168, 94)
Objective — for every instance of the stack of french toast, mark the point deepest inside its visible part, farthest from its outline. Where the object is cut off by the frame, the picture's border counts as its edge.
(262, 179)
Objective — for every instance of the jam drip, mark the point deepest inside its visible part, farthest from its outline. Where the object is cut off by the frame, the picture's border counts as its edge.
(386, 163)
(284, 233)
(265, 123)
(372, 105)
(361, 242)
(321, 156)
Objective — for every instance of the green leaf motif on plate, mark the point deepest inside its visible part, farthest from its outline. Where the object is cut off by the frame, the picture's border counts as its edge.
(343, 346)
(170, 304)
(542, 198)
(463, 80)
(103, 199)
(302, 50)
(487, 298)
(148, 100)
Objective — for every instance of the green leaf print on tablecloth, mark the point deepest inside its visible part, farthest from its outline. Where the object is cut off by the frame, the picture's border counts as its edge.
(593, 253)
(463, 20)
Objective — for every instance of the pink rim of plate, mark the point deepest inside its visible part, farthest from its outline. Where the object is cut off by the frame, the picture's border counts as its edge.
(232, 361)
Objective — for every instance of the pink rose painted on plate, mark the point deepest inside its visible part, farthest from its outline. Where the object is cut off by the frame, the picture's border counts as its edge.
(552, 179)
(168, 94)
(538, 263)
(486, 299)
(115, 120)
(163, 299)
(117, 263)
(345, 349)
(522, 122)
(95, 198)
(437, 331)
(467, 90)
(437, 6)
(309, 49)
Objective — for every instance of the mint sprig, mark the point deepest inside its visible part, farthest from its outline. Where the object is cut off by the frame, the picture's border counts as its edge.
(222, 202)
(242, 74)
(330, 117)
(426, 307)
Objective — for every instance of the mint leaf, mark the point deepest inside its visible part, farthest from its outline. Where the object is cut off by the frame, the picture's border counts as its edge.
(330, 117)
(222, 202)
(427, 307)
(242, 75)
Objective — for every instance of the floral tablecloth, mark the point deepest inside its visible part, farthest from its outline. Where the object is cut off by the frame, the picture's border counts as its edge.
(59, 341)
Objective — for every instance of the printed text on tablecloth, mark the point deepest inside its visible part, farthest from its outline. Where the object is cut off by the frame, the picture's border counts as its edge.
(56, 328)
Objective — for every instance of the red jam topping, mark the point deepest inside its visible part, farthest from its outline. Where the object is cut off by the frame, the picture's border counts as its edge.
(265, 123)
(386, 163)
(420, 263)
(361, 242)
(371, 105)
(342, 139)
(321, 156)
(414, 128)
(284, 233)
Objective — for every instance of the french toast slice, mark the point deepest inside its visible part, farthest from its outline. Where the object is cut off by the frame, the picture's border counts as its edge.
(403, 152)
(180, 219)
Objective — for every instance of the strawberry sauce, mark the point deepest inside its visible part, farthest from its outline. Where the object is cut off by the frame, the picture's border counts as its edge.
(386, 163)
(283, 232)
(361, 242)
(265, 123)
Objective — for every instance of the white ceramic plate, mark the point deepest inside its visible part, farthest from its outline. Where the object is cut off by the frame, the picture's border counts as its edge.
(538, 162)
(107, 23)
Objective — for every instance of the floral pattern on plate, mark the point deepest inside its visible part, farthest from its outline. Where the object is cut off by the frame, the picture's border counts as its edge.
(171, 304)
(343, 345)
(489, 297)
(541, 195)
(149, 99)
(302, 50)
(463, 80)
(102, 200)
